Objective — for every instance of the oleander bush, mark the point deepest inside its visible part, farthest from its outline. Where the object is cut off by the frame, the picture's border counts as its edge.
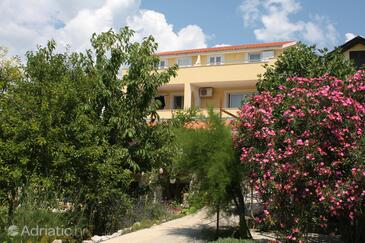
(304, 148)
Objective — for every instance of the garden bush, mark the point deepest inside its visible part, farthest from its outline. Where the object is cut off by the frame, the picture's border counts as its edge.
(232, 240)
(303, 147)
(208, 154)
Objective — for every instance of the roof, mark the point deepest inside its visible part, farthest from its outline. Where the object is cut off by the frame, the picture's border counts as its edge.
(349, 44)
(227, 48)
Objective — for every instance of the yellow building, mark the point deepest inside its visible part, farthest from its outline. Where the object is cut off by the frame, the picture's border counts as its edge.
(354, 50)
(218, 77)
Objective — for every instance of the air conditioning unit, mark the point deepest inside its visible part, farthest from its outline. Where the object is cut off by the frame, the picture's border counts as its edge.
(206, 92)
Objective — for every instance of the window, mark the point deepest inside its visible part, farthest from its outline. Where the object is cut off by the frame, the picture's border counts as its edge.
(261, 56)
(358, 57)
(178, 102)
(162, 64)
(215, 60)
(254, 57)
(268, 55)
(184, 62)
(235, 99)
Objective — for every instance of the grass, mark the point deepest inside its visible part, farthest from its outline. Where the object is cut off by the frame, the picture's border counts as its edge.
(232, 240)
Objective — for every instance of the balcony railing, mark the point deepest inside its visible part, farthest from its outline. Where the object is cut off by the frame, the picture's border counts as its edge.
(224, 62)
(225, 113)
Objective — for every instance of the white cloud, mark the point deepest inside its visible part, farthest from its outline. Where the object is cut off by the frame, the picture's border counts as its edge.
(250, 10)
(73, 22)
(78, 30)
(221, 45)
(148, 22)
(275, 23)
(349, 36)
(320, 31)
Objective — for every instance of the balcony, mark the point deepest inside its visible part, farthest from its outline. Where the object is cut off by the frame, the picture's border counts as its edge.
(230, 70)
(227, 79)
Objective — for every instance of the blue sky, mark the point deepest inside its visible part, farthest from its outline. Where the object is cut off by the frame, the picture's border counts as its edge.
(179, 24)
(222, 20)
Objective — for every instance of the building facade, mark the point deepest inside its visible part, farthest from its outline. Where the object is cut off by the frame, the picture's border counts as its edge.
(354, 50)
(218, 77)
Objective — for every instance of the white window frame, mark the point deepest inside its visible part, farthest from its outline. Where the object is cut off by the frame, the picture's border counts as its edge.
(268, 54)
(172, 100)
(189, 59)
(229, 92)
(166, 64)
(254, 53)
(215, 60)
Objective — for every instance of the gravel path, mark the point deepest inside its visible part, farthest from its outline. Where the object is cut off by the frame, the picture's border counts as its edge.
(185, 229)
(198, 228)
(192, 228)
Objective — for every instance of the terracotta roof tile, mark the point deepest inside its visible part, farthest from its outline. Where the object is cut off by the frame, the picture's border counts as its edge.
(203, 124)
(196, 124)
(225, 48)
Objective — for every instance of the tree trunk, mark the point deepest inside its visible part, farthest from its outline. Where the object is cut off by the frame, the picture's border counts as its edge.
(244, 231)
(251, 207)
(11, 207)
(217, 229)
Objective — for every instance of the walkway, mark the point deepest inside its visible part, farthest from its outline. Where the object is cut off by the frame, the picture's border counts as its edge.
(192, 228)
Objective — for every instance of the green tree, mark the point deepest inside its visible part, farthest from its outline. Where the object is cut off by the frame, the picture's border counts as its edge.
(9, 70)
(209, 155)
(301, 60)
(80, 124)
(12, 151)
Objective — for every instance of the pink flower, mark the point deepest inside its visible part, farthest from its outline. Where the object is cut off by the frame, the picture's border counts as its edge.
(298, 140)
(295, 230)
(351, 215)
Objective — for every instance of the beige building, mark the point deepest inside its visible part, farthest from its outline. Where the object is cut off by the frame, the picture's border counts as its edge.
(218, 77)
(354, 50)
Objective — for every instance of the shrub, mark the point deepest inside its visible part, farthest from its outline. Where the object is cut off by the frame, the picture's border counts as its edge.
(208, 154)
(39, 210)
(301, 147)
(232, 240)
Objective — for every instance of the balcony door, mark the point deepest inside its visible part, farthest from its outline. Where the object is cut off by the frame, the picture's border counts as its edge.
(234, 99)
(177, 102)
